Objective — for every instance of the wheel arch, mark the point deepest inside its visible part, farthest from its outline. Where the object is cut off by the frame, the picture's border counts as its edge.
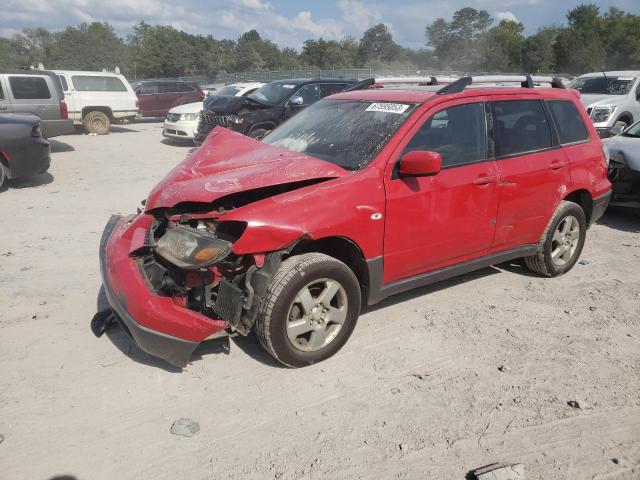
(627, 115)
(584, 199)
(106, 110)
(340, 248)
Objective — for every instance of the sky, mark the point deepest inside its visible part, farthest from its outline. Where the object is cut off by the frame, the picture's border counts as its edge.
(285, 22)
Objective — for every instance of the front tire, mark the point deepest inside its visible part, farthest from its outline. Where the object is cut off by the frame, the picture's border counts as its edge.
(96, 122)
(561, 243)
(259, 133)
(310, 309)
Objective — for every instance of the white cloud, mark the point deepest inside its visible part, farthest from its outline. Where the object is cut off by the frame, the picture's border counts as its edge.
(253, 4)
(507, 16)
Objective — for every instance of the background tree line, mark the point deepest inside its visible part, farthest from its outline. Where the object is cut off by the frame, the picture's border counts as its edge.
(469, 41)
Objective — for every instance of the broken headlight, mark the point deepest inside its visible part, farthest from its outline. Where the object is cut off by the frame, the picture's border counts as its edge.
(191, 249)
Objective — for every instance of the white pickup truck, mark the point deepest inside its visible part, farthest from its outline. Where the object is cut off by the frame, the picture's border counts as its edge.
(97, 99)
(611, 98)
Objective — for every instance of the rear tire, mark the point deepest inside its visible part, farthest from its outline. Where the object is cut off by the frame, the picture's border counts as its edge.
(310, 309)
(96, 122)
(561, 243)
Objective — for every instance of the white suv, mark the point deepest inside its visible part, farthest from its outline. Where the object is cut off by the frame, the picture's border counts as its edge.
(182, 121)
(611, 98)
(96, 99)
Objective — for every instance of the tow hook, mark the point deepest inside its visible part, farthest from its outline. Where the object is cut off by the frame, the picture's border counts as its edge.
(101, 321)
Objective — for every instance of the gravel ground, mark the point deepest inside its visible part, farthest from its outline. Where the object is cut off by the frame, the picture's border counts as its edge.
(432, 384)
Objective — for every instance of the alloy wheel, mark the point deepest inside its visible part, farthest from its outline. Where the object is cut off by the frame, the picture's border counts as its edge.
(317, 314)
(565, 240)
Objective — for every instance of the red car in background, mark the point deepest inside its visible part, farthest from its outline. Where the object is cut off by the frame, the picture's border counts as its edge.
(157, 97)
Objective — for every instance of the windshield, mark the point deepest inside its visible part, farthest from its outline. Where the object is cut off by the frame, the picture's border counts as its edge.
(633, 130)
(603, 85)
(229, 91)
(347, 133)
(272, 93)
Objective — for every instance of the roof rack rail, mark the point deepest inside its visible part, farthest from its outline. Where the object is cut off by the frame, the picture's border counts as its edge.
(526, 81)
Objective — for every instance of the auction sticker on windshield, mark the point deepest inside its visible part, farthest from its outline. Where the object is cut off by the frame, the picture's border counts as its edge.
(387, 107)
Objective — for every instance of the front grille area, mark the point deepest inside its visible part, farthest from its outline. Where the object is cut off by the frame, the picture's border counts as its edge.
(212, 119)
(173, 117)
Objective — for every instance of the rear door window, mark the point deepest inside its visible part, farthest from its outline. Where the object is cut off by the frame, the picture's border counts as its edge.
(457, 133)
(569, 124)
(93, 83)
(167, 88)
(331, 88)
(520, 126)
(29, 88)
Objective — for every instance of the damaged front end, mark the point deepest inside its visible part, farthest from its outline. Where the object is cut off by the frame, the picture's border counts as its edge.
(189, 257)
(173, 281)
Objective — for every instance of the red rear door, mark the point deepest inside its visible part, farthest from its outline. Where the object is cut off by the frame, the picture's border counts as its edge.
(450, 217)
(534, 171)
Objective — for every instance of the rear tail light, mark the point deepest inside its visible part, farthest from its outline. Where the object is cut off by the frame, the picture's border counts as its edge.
(36, 131)
(64, 112)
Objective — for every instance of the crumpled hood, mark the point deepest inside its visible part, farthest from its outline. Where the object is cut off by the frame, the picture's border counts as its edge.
(229, 162)
(223, 104)
(630, 148)
(597, 100)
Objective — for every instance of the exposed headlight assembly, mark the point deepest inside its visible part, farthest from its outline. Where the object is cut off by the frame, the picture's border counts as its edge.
(602, 114)
(235, 119)
(190, 116)
(191, 249)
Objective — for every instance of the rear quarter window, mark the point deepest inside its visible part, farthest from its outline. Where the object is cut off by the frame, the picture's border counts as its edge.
(569, 124)
(90, 83)
(63, 81)
(520, 126)
(185, 87)
(29, 88)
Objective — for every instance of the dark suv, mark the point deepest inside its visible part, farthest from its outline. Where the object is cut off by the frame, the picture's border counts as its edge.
(358, 197)
(263, 110)
(157, 97)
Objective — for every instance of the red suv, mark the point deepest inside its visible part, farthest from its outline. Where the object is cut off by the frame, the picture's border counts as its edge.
(360, 196)
(157, 97)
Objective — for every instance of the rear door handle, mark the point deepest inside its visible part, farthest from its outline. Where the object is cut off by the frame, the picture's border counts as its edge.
(485, 179)
(557, 164)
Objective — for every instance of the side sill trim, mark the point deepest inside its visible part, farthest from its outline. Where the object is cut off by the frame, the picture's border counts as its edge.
(380, 291)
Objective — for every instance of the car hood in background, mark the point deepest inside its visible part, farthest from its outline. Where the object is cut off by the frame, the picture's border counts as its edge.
(597, 100)
(229, 162)
(10, 118)
(223, 104)
(630, 148)
(194, 107)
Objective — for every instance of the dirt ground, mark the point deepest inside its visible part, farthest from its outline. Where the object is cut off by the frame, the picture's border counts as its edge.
(432, 384)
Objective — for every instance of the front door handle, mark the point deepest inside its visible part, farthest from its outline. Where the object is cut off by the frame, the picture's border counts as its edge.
(485, 180)
(557, 165)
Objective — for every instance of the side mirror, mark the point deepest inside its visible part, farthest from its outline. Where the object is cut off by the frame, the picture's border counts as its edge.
(420, 163)
(616, 130)
(296, 100)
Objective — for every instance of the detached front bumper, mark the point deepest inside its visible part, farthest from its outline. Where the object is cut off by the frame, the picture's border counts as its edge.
(156, 323)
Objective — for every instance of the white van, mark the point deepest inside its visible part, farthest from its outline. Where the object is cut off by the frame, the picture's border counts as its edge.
(96, 99)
